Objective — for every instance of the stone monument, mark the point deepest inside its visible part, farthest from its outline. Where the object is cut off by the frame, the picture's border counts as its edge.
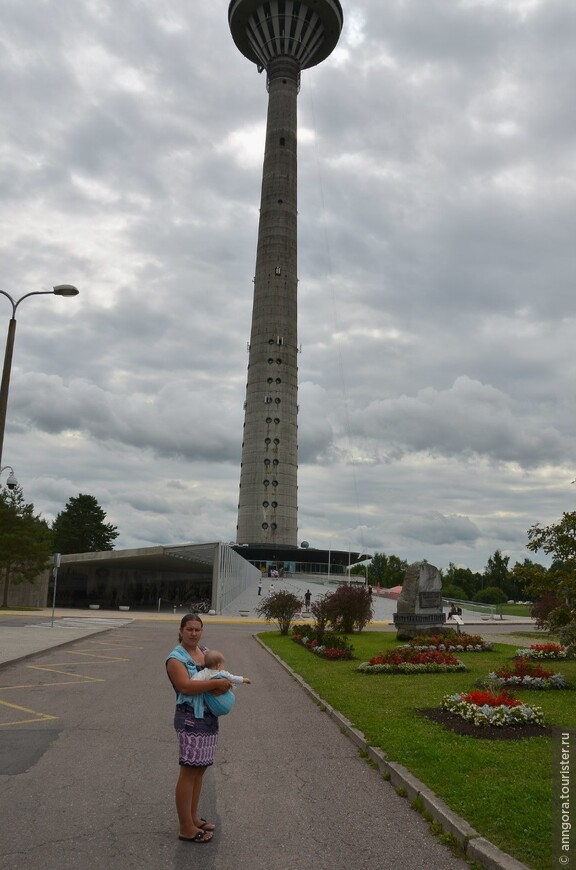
(420, 602)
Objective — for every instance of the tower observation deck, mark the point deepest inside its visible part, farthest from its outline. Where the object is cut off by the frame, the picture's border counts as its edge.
(282, 37)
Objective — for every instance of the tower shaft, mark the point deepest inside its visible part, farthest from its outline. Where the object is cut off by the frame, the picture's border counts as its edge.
(267, 509)
(283, 37)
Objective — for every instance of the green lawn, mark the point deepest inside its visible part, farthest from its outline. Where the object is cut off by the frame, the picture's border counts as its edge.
(502, 788)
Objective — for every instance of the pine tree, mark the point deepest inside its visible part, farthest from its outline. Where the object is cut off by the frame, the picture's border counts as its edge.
(80, 527)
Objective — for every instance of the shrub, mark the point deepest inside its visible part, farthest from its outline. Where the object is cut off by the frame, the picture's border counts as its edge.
(567, 635)
(349, 607)
(491, 595)
(454, 591)
(320, 611)
(281, 606)
(543, 608)
(560, 617)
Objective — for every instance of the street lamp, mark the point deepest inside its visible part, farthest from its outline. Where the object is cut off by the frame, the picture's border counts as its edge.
(11, 481)
(59, 290)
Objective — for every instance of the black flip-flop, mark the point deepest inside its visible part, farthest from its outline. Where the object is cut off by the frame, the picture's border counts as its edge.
(200, 837)
(207, 826)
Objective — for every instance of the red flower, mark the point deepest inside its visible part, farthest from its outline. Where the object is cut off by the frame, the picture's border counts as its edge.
(523, 668)
(481, 699)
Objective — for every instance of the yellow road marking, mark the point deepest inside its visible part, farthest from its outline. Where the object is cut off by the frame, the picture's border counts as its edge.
(38, 717)
(98, 658)
(94, 656)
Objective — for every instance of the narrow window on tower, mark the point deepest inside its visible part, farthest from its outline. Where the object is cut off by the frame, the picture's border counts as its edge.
(282, 141)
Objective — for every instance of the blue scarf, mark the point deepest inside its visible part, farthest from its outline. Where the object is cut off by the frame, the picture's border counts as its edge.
(219, 705)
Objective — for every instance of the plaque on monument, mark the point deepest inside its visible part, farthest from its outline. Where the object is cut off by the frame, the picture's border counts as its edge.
(431, 600)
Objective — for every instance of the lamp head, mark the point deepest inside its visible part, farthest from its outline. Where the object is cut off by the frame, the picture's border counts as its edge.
(65, 290)
(11, 483)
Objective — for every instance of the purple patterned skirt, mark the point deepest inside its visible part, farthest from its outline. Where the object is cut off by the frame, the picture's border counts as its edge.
(198, 737)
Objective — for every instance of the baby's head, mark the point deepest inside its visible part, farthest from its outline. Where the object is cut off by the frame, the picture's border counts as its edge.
(213, 659)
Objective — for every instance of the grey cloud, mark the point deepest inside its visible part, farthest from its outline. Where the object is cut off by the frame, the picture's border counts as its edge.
(436, 263)
(435, 528)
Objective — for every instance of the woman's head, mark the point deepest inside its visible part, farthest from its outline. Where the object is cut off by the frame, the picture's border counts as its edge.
(190, 621)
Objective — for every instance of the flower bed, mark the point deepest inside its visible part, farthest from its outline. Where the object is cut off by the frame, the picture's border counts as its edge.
(451, 641)
(485, 709)
(527, 675)
(543, 651)
(406, 660)
(332, 648)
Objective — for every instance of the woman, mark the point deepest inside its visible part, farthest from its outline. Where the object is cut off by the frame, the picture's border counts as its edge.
(197, 737)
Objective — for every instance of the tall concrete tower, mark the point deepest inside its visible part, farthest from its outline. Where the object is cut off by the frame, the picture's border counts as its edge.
(282, 37)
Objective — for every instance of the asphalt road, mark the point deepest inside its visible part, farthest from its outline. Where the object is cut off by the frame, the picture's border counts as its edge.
(88, 763)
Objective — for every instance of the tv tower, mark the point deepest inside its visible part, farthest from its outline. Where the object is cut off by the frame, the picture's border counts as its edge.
(282, 37)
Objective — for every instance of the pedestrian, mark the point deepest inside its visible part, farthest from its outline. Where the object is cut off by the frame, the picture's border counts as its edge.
(260, 587)
(271, 589)
(307, 597)
(197, 736)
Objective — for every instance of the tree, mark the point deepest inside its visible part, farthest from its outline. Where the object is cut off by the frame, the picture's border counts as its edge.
(496, 574)
(529, 578)
(491, 595)
(80, 527)
(282, 607)
(25, 541)
(559, 541)
(463, 578)
(349, 607)
(454, 592)
(388, 571)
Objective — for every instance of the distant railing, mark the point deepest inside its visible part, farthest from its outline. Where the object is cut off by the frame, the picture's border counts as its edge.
(487, 611)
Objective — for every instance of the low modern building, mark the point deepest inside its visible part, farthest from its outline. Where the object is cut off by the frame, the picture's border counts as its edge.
(150, 578)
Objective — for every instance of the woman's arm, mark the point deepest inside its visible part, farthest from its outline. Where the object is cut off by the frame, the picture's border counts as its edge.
(182, 682)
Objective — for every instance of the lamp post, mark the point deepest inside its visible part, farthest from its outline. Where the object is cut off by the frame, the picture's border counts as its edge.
(59, 290)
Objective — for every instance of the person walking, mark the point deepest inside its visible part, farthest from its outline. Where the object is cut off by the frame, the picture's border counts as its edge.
(260, 587)
(307, 598)
(197, 736)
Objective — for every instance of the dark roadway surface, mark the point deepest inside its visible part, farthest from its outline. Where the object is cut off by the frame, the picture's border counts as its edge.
(88, 762)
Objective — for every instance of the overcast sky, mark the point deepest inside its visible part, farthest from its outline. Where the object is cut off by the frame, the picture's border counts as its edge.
(437, 258)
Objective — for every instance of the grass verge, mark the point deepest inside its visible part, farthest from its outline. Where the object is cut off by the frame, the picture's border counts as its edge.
(503, 788)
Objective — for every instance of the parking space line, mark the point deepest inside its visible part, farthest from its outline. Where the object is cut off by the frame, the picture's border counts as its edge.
(85, 657)
(38, 717)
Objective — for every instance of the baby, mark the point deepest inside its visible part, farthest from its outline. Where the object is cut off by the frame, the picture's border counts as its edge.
(213, 668)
